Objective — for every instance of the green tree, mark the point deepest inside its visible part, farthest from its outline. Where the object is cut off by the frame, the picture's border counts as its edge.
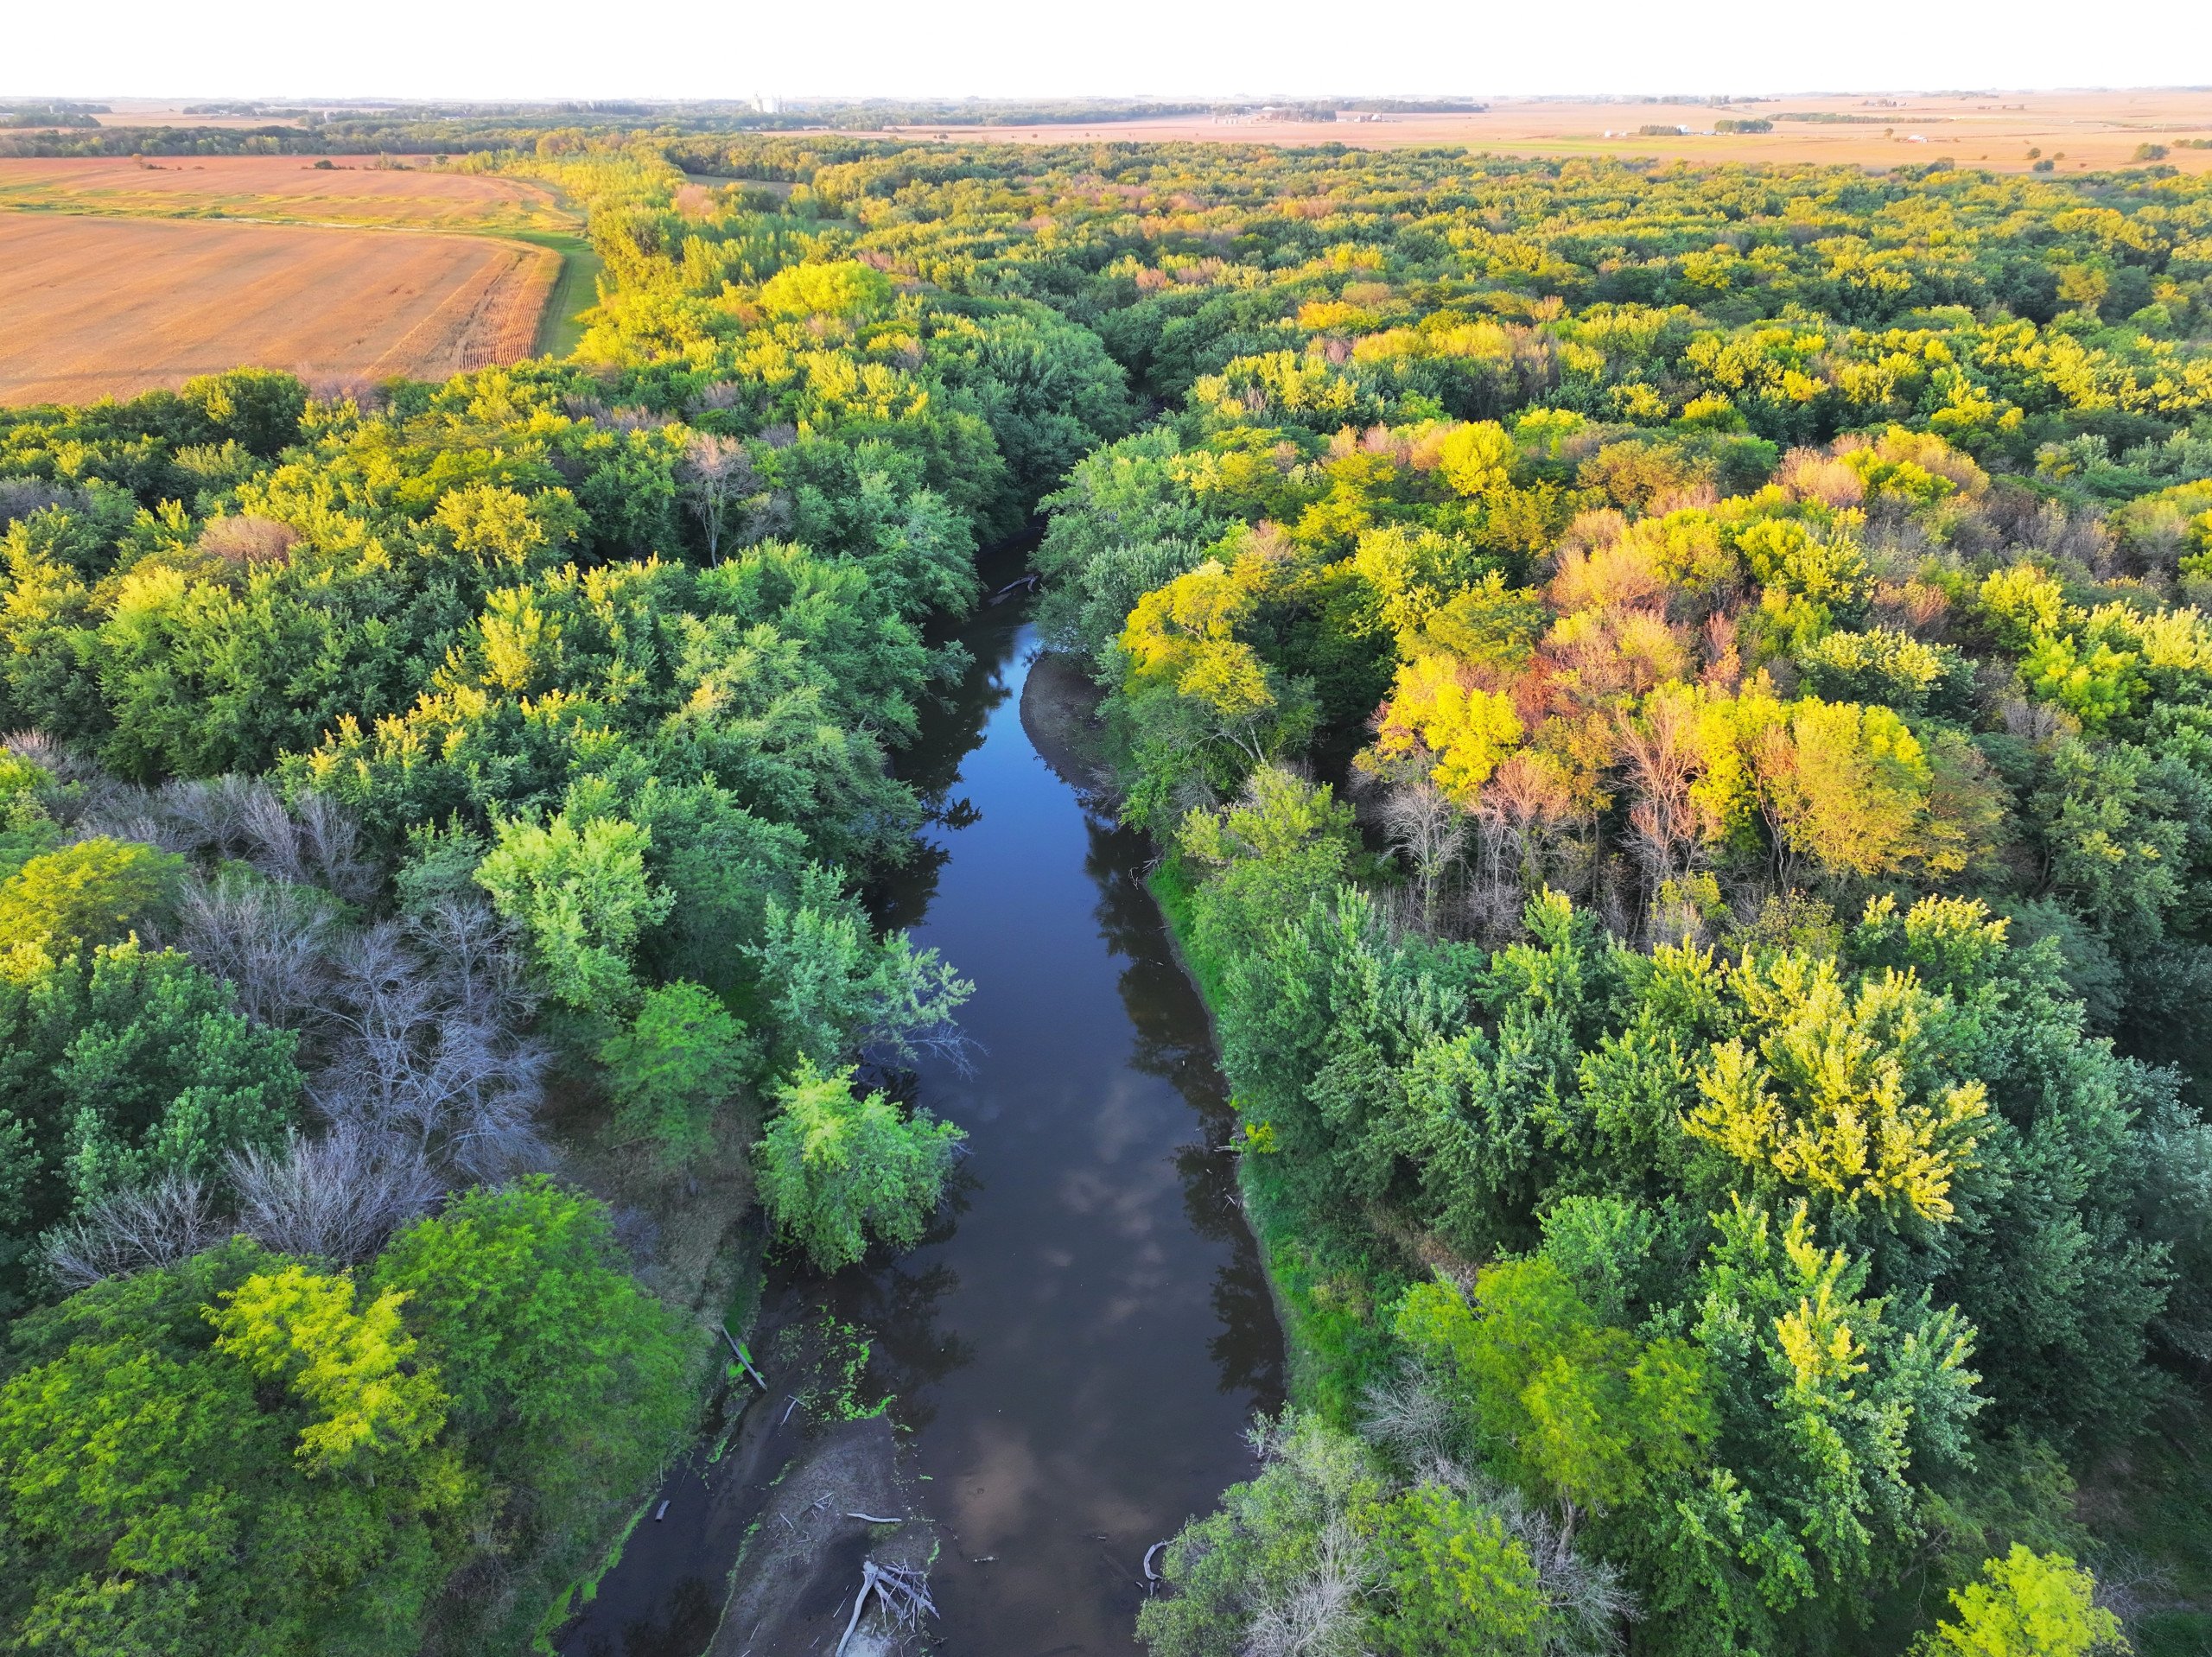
(257, 406)
(159, 1498)
(1834, 1407)
(837, 1171)
(26, 827)
(1845, 1095)
(582, 896)
(682, 1057)
(120, 1067)
(565, 1377)
(1457, 1581)
(832, 989)
(1286, 1536)
(351, 1365)
(1573, 1408)
(1282, 842)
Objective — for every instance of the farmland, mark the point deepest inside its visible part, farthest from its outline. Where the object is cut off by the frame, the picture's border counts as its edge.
(97, 307)
(358, 190)
(129, 273)
(2004, 131)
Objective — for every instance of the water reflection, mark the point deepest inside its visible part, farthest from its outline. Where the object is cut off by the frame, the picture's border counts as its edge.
(909, 1352)
(1172, 1041)
(1109, 1305)
(1072, 1352)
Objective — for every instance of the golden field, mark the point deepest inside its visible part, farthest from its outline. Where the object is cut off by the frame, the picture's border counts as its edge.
(2091, 131)
(96, 307)
(353, 190)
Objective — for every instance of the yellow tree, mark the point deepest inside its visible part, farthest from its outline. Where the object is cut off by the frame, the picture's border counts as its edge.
(1183, 637)
(1837, 1093)
(1447, 725)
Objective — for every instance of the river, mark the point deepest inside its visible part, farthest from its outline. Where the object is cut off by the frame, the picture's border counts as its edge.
(1074, 1353)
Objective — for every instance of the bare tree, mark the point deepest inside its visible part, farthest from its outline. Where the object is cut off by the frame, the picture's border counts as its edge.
(426, 1046)
(1319, 1615)
(1524, 828)
(1664, 822)
(203, 814)
(1421, 821)
(128, 1231)
(247, 540)
(315, 841)
(715, 472)
(312, 841)
(335, 1198)
(271, 944)
(1407, 1416)
(27, 496)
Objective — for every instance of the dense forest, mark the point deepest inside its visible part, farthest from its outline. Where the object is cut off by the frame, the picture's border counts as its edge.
(1677, 716)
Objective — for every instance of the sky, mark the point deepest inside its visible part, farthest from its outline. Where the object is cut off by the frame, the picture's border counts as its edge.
(1007, 49)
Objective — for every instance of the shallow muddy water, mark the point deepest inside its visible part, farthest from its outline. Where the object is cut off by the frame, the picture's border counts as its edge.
(1073, 1355)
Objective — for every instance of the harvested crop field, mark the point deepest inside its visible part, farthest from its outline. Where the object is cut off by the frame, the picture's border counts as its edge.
(350, 190)
(93, 307)
(2002, 132)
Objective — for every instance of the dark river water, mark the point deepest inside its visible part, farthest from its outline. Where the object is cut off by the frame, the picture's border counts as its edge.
(1075, 1352)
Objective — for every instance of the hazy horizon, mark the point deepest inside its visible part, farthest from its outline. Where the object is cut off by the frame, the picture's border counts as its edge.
(1342, 96)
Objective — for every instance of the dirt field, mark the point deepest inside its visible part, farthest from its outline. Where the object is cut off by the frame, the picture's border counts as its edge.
(94, 307)
(1995, 130)
(352, 190)
(169, 112)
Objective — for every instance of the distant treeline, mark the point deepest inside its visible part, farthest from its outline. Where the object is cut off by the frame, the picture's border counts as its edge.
(467, 129)
(1412, 106)
(461, 128)
(334, 139)
(51, 115)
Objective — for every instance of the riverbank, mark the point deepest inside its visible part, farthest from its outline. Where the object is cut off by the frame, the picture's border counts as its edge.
(1060, 716)
(1332, 1347)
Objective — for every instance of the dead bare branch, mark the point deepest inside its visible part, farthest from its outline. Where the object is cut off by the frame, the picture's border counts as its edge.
(131, 1231)
(271, 944)
(336, 1198)
(901, 1592)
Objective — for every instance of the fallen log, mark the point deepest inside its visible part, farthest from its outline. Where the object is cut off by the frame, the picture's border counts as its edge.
(738, 1351)
(901, 1590)
(859, 1601)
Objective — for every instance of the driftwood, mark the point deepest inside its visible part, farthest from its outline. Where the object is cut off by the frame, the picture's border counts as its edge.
(744, 1357)
(1150, 1575)
(902, 1591)
(870, 1519)
(1029, 583)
